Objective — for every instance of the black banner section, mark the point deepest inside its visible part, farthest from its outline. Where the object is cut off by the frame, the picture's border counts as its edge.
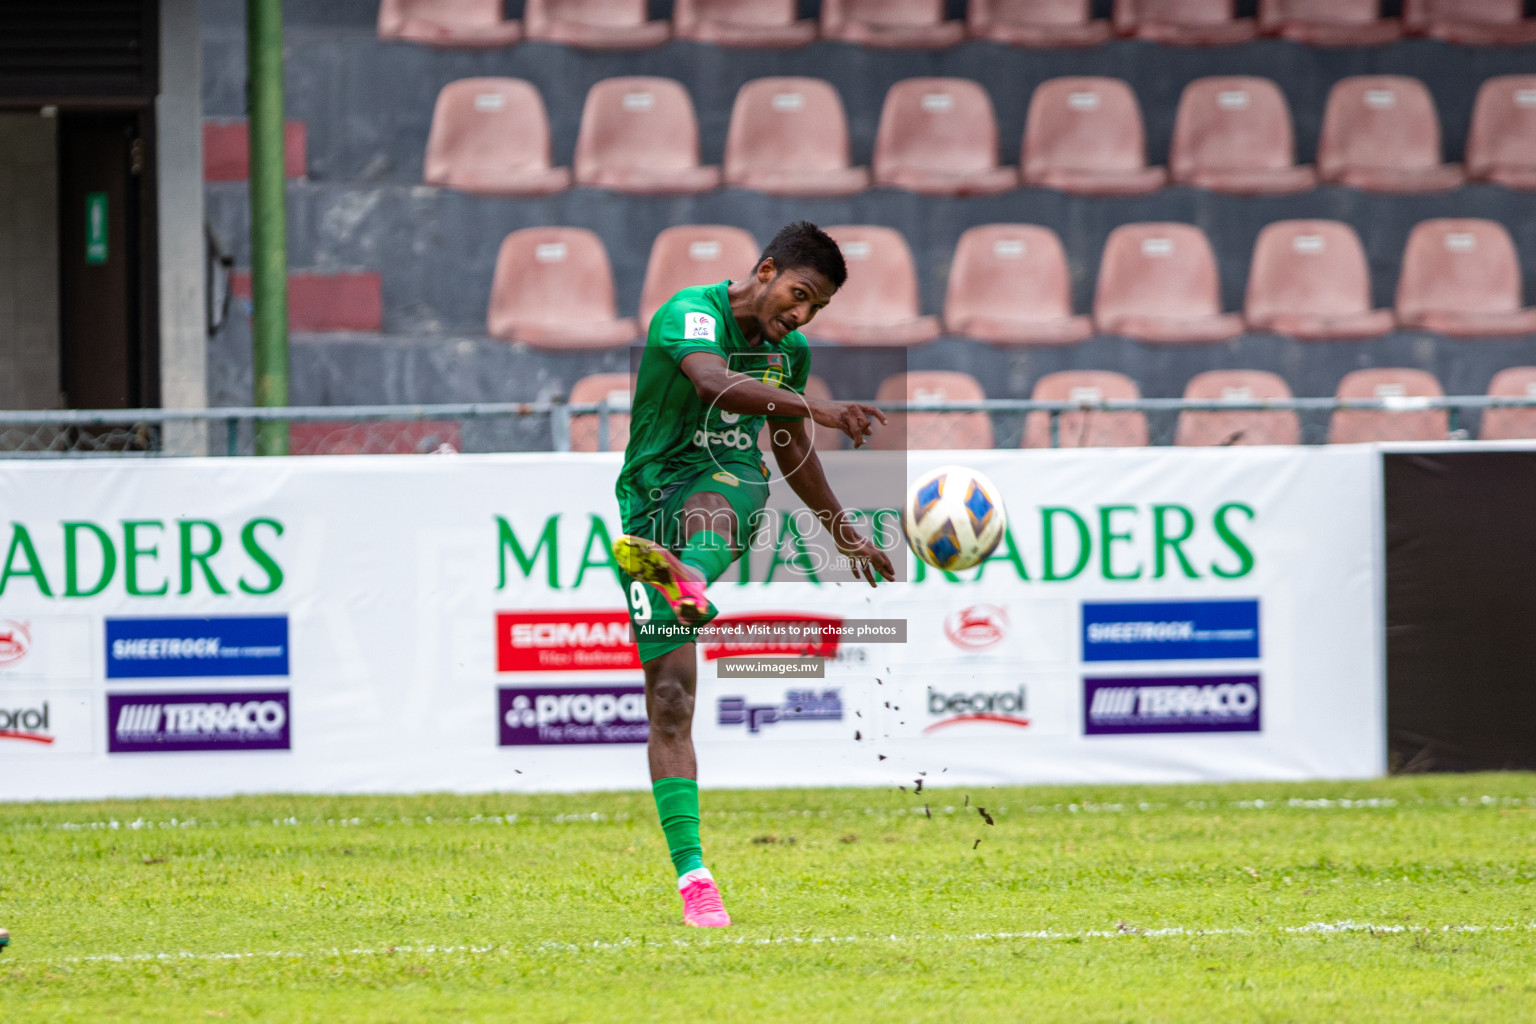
(1461, 610)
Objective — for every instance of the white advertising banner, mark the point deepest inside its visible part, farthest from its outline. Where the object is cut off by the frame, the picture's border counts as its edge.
(399, 623)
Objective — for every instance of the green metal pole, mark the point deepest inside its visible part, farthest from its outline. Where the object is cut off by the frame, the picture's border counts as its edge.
(269, 229)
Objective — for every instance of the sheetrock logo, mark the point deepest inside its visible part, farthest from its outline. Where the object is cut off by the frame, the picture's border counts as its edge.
(15, 641)
(1004, 708)
(977, 627)
(28, 724)
(564, 641)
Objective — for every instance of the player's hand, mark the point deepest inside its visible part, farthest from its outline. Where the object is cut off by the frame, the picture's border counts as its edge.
(867, 559)
(853, 418)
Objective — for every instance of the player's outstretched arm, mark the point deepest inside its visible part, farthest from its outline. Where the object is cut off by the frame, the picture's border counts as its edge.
(724, 389)
(802, 468)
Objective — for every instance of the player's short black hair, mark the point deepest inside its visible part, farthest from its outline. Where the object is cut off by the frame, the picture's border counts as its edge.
(803, 244)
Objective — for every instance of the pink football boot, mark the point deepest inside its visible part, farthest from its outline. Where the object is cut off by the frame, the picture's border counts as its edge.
(702, 907)
(682, 585)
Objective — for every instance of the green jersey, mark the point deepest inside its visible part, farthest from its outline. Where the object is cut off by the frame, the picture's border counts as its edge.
(673, 436)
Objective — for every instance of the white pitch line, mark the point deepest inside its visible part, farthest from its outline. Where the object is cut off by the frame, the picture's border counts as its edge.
(1126, 932)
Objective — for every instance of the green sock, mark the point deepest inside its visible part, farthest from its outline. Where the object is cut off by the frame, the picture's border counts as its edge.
(677, 802)
(707, 552)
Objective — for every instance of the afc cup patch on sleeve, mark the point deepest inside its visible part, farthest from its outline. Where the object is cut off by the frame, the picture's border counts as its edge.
(699, 326)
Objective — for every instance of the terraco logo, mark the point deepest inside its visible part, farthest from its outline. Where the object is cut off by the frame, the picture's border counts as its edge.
(27, 724)
(15, 641)
(976, 627)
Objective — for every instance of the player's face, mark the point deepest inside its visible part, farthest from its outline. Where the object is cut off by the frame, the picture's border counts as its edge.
(791, 298)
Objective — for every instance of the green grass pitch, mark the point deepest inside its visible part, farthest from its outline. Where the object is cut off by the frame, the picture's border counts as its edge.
(1363, 901)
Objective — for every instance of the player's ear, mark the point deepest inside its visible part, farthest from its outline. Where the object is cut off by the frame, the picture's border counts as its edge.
(766, 271)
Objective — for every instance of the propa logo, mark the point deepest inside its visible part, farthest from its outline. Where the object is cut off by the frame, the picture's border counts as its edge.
(15, 641)
(29, 724)
(976, 627)
(1004, 708)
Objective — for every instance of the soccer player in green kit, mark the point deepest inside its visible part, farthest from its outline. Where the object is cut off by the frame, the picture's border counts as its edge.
(719, 361)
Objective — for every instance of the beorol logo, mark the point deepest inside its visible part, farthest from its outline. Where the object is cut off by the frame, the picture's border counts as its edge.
(976, 627)
(575, 708)
(15, 641)
(1005, 707)
(27, 724)
(733, 438)
(236, 718)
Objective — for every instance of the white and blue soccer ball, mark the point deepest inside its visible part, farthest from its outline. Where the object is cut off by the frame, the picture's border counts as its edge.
(954, 517)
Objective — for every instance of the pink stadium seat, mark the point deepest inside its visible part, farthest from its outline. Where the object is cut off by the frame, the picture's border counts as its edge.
(1501, 147)
(899, 24)
(640, 135)
(823, 439)
(1182, 22)
(1462, 277)
(447, 22)
(1157, 282)
(1233, 134)
(1309, 279)
(1009, 284)
(789, 137)
(1381, 133)
(938, 136)
(1085, 135)
(491, 135)
(594, 24)
(1409, 422)
(1239, 426)
(754, 23)
(1089, 428)
(1035, 22)
(689, 255)
(925, 431)
(1472, 22)
(374, 437)
(619, 390)
(1328, 22)
(879, 304)
(1511, 424)
(553, 288)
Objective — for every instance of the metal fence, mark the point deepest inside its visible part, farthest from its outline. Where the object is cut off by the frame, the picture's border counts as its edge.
(557, 425)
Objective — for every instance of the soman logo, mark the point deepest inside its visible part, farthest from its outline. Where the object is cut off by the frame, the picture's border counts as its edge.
(1002, 708)
(976, 627)
(564, 641)
(15, 641)
(28, 724)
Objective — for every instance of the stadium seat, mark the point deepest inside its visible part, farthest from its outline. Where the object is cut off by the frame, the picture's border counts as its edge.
(619, 390)
(1201, 427)
(1328, 22)
(640, 135)
(491, 135)
(879, 304)
(1381, 133)
(938, 136)
(1009, 284)
(897, 24)
(823, 439)
(1233, 134)
(1085, 135)
(594, 24)
(374, 437)
(1035, 22)
(1182, 22)
(447, 22)
(1462, 277)
(1089, 428)
(1471, 22)
(1410, 421)
(926, 431)
(689, 255)
(553, 288)
(789, 137)
(1157, 282)
(1309, 279)
(754, 23)
(1501, 146)
(1511, 424)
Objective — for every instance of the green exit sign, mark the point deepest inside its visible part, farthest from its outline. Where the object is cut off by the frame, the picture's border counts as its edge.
(95, 227)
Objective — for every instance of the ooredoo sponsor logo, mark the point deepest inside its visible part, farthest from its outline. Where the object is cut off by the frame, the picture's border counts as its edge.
(733, 438)
(533, 716)
(158, 723)
(977, 627)
(15, 641)
(26, 724)
(564, 641)
(1005, 707)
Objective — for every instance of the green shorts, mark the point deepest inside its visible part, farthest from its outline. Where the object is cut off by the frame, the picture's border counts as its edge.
(662, 522)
